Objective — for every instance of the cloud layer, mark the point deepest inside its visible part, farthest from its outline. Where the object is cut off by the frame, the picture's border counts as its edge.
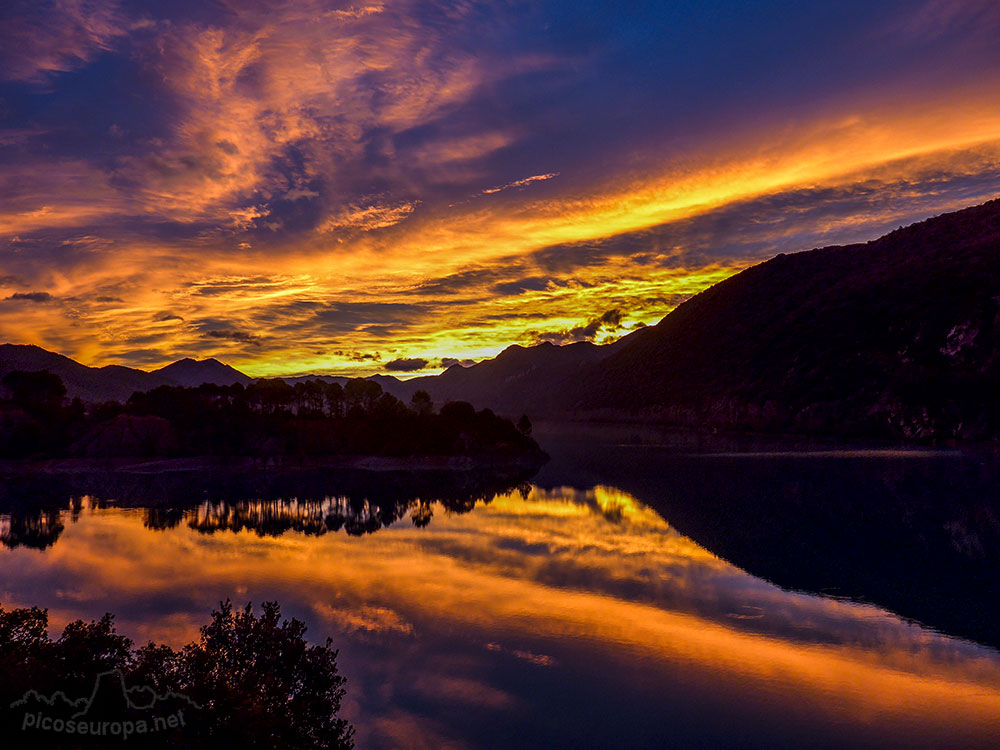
(296, 186)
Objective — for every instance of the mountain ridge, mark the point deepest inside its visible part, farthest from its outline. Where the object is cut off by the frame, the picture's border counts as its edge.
(115, 382)
(897, 337)
(190, 373)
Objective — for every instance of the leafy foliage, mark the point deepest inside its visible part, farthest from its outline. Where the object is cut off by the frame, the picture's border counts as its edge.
(255, 678)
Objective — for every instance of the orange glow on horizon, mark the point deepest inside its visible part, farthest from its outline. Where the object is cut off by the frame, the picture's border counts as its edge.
(451, 262)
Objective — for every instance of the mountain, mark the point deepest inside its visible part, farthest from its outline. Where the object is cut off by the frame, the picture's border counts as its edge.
(110, 383)
(895, 337)
(191, 373)
(518, 380)
(398, 388)
(898, 337)
(114, 382)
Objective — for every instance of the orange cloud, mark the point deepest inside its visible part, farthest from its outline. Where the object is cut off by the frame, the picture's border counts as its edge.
(338, 153)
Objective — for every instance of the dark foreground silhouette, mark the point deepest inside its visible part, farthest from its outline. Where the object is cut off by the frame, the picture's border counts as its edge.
(249, 681)
(268, 418)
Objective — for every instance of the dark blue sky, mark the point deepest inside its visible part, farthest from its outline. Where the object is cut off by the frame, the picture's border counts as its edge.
(333, 164)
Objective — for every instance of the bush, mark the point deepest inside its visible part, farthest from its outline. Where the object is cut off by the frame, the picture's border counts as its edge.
(250, 681)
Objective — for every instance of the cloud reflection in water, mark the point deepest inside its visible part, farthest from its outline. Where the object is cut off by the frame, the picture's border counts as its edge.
(566, 614)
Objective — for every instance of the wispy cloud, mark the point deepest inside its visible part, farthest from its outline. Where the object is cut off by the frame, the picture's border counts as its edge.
(934, 19)
(520, 183)
(46, 37)
(31, 297)
(297, 186)
(357, 12)
(368, 218)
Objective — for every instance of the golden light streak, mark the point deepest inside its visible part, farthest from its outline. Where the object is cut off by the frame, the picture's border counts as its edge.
(249, 93)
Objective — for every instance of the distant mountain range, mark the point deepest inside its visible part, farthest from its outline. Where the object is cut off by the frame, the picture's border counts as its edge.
(518, 380)
(897, 337)
(114, 382)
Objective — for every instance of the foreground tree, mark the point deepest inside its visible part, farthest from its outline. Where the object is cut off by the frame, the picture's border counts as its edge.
(250, 681)
(35, 391)
(422, 403)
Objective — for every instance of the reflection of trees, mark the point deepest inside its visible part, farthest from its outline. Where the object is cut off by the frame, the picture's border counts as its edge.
(161, 518)
(270, 518)
(31, 511)
(268, 503)
(362, 506)
(355, 515)
(37, 530)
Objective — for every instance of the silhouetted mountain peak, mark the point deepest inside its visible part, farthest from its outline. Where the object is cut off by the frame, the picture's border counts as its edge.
(110, 383)
(899, 336)
(191, 373)
(115, 382)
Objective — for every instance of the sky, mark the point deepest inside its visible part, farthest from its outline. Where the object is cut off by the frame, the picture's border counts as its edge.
(350, 188)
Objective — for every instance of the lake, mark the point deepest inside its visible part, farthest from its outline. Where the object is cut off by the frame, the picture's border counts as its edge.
(642, 589)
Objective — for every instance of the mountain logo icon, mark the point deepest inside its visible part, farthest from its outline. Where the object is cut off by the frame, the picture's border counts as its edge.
(111, 710)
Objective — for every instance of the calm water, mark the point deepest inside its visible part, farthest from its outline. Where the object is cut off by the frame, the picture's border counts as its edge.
(641, 590)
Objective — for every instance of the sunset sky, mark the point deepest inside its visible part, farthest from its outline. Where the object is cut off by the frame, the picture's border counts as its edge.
(311, 186)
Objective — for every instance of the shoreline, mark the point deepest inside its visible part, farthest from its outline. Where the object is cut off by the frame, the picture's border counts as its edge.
(147, 465)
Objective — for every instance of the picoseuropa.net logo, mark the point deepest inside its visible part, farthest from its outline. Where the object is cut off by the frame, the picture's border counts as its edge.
(112, 711)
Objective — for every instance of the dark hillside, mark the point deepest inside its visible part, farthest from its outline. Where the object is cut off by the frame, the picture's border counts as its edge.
(895, 337)
(519, 379)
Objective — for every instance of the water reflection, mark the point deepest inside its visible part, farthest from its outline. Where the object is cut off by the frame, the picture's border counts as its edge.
(914, 531)
(550, 617)
(37, 529)
(313, 502)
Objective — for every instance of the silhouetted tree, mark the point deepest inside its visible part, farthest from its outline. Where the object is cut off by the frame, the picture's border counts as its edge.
(524, 425)
(33, 419)
(333, 395)
(362, 393)
(422, 403)
(36, 390)
(461, 412)
(261, 684)
(271, 396)
(309, 396)
(250, 681)
(268, 418)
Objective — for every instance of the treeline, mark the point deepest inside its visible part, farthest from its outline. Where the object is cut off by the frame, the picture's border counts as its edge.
(266, 418)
